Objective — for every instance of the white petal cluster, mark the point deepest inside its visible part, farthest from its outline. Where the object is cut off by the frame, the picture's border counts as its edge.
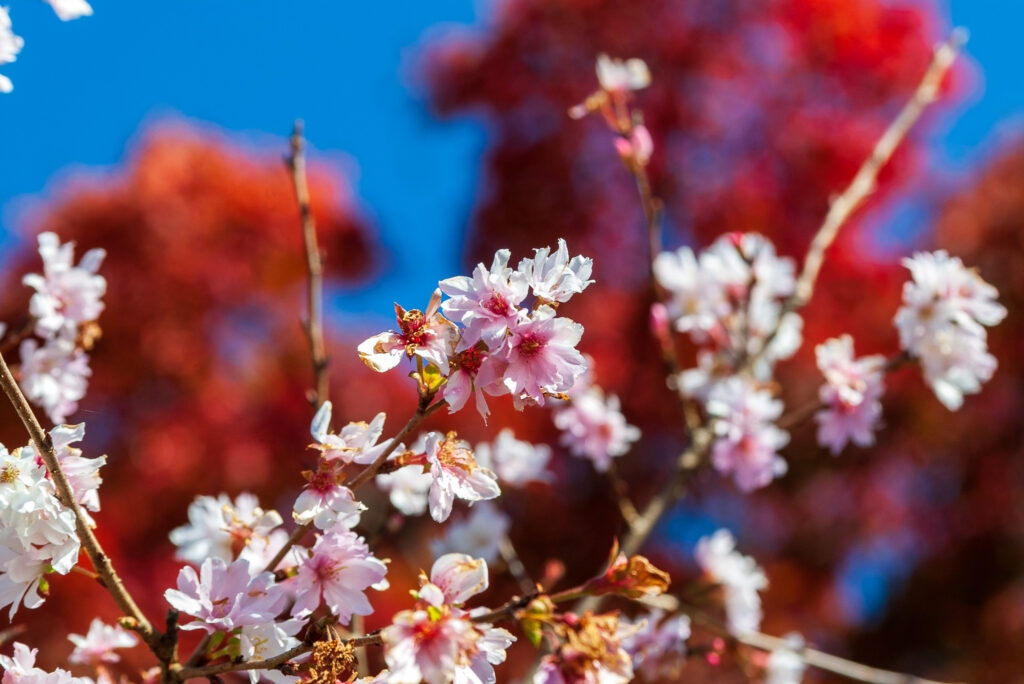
(479, 534)
(456, 474)
(225, 530)
(54, 375)
(21, 669)
(223, 596)
(515, 462)
(942, 321)
(37, 532)
(740, 577)
(616, 75)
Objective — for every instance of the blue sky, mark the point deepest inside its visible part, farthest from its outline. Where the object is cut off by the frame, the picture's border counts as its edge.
(83, 89)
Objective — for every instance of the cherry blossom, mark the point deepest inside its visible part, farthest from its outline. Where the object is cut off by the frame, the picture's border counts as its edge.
(486, 305)
(479, 533)
(356, 443)
(850, 395)
(698, 299)
(66, 295)
(746, 439)
(474, 371)
(740, 577)
(594, 428)
(224, 597)
(429, 335)
(326, 502)
(946, 308)
(54, 376)
(542, 357)
(98, 644)
(259, 642)
(223, 529)
(438, 642)
(21, 669)
(337, 572)
(456, 474)
(555, 277)
(515, 462)
(407, 488)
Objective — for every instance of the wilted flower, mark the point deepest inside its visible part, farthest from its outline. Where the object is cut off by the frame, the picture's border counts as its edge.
(428, 335)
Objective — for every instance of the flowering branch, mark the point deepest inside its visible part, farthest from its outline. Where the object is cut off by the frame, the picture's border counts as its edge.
(314, 325)
(109, 577)
(863, 184)
(422, 413)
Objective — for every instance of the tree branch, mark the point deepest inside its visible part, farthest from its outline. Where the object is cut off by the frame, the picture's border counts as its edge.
(314, 325)
(111, 581)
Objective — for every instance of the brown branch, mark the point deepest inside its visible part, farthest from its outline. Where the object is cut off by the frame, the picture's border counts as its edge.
(314, 325)
(15, 337)
(819, 659)
(111, 581)
(863, 184)
(515, 565)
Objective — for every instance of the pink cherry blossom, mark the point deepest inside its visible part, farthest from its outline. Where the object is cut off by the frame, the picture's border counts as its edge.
(337, 572)
(850, 395)
(407, 488)
(542, 357)
(474, 371)
(54, 376)
(21, 669)
(487, 304)
(594, 428)
(326, 502)
(747, 441)
(222, 597)
(459, 577)
(98, 644)
(514, 461)
(456, 475)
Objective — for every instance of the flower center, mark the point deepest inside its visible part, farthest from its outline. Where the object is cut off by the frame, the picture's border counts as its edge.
(9, 473)
(531, 344)
(497, 305)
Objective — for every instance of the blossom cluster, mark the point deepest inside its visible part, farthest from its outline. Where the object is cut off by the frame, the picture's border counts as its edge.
(37, 531)
(487, 341)
(946, 308)
(67, 301)
(740, 577)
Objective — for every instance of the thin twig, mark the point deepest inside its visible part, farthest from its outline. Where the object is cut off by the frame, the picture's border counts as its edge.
(515, 565)
(620, 491)
(111, 580)
(314, 325)
(819, 659)
(863, 184)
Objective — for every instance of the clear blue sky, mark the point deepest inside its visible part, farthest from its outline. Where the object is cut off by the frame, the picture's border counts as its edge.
(83, 88)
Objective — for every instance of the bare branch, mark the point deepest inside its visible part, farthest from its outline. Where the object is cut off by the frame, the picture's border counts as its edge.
(314, 324)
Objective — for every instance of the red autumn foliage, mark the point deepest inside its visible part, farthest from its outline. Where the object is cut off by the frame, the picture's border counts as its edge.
(759, 112)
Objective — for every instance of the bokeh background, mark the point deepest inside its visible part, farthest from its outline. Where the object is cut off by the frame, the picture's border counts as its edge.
(439, 134)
